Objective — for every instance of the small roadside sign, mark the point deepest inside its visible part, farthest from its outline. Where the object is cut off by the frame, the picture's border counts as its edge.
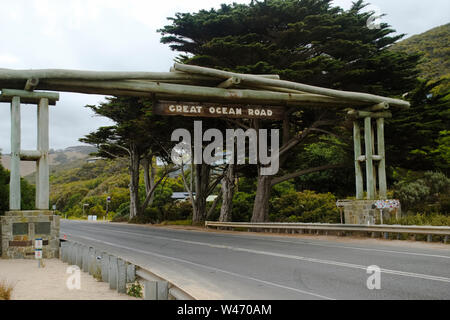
(38, 243)
(38, 254)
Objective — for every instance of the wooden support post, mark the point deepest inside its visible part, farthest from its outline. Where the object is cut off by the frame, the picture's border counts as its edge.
(374, 175)
(42, 170)
(382, 164)
(358, 171)
(369, 159)
(14, 184)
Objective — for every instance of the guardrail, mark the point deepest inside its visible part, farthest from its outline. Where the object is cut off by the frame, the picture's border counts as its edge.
(119, 272)
(340, 229)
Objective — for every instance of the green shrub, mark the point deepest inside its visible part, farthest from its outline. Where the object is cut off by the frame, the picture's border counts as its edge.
(421, 220)
(135, 290)
(428, 194)
(242, 206)
(307, 206)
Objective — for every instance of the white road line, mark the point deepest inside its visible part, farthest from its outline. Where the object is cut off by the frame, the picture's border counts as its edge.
(287, 256)
(205, 267)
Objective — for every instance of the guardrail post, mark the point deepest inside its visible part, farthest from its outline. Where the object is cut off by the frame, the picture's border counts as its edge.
(91, 261)
(113, 270)
(66, 251)
(85, 264)
(386, 235)
(131, 273)
(63, 250)
(121, 276)
(95, 267)
(156, 290)
(79, 261)
(105, 267)
(430, 238)
(72, 254)
(445, 239)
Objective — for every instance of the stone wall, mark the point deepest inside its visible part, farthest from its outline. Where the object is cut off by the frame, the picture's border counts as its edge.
(363, 212)
(19, 229)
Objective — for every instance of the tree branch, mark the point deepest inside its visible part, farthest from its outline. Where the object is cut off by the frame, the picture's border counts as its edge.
(303, 172)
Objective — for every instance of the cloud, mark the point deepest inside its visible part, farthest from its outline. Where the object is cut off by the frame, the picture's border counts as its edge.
(120, 35)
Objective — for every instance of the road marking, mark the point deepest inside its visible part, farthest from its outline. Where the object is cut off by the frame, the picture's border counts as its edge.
(302, 242)
(206, 267)
(287, 256)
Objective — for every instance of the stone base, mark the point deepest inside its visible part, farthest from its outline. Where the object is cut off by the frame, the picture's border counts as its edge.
(364, 212)
(19, 229)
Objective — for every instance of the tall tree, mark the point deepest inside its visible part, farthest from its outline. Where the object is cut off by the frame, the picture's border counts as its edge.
(417, 139)
(4, 192)
(137, 136)
(307, 41)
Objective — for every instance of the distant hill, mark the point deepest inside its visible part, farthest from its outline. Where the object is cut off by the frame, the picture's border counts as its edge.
(67, 158)
(435, 46)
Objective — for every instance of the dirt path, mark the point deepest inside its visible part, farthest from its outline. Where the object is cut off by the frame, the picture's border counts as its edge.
(49, 283)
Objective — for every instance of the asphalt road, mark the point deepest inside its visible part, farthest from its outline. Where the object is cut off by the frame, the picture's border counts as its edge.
(212, 265)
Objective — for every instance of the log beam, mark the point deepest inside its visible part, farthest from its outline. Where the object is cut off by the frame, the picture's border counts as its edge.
(356, 96)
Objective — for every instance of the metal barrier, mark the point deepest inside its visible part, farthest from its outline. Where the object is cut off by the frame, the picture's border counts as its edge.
(385, 230)
(118, 272)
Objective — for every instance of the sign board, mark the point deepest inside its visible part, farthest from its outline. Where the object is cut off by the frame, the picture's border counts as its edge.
(387, 204)
(38, 254)
(215, 110)
(342, 203)
(38, 243)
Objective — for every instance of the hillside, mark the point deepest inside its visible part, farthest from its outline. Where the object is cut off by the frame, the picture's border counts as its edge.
(59, 160)
(435, 47)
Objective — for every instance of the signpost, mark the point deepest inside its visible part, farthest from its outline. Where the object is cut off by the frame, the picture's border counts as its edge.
(38, 244)
(387, 204)
(216, 110)
(108, 200)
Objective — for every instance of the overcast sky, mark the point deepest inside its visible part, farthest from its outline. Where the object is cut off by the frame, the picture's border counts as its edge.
(121, 35)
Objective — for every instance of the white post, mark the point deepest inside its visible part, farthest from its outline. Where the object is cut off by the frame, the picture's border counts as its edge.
(358, 170)
(14, 184)
(382, 154)
(369, 158)
(42, 173)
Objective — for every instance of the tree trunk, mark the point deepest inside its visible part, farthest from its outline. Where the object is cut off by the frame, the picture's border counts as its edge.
(202, 172)
(149, 177)
(228, 187)
(134, 181)
(261, 205)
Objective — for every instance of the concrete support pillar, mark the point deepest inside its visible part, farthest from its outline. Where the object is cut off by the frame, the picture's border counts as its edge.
(131, 273)
(42, 170)
(121, 276)
(113, 270)
(91, 261)
(105, 267)
(14, 184)
(85, 262)
(382, 165)
(358, 170)
(79, 259)
(156, 290)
